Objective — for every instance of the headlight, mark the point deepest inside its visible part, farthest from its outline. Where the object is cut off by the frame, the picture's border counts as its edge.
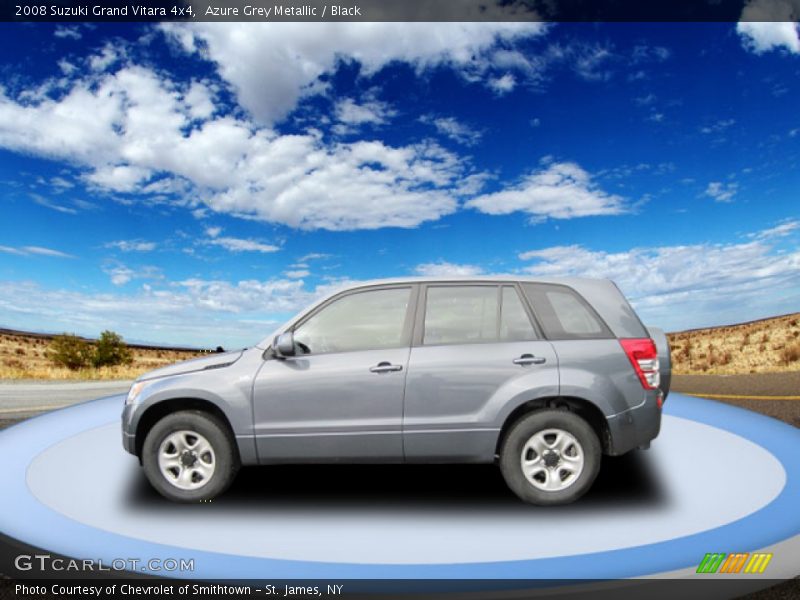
(135, 390)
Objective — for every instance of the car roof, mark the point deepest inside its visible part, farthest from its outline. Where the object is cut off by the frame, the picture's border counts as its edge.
(472, 278)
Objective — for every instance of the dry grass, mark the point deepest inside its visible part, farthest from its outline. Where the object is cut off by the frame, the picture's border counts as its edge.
(24, 357)
(766, 346)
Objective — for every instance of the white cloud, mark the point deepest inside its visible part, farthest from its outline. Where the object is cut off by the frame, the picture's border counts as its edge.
(351, 114)
(769, 25)
(125, 127)
(271, 66)
(35, 250)
(446, 269)
(67, 68)
(721, 192)
(46, 252)
(67, 32)
(504, 84)
(645, 100)
(132, 245)
(454, 129)
(643, 53)
(718, 126)
(122, 178)
(108, 55)
(199, 101)
(61, 183)
(298, 274)
(234, 244)
(590, 62)
(313, 256)
(271, 296)
(559, 191)
(781, 230)
(686, 285)
(240, 245)
(42, 201)
(121, 274)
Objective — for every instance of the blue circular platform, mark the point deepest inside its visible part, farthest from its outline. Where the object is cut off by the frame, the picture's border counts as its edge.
(719, 479)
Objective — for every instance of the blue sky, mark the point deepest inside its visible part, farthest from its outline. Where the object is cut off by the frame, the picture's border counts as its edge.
(195, 184)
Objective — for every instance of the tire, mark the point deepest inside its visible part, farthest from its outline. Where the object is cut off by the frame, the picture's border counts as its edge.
(190, 456)
(559, 470)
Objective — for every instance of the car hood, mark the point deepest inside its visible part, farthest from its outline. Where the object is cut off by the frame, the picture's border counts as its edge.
(213, 361)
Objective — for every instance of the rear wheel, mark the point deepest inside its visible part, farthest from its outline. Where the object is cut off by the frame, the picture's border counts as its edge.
(190, 456)
(550, 457)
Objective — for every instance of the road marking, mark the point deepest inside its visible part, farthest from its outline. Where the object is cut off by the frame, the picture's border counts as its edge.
(27, 409)
(739, 397)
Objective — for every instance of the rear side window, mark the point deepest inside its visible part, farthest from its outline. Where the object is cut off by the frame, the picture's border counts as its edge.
(564, 314)
(515, 326)
(460, 314)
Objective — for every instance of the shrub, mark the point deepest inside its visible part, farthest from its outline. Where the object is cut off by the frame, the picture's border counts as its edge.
(110, 351)
(20, 351)
(70, 351)
(790, 353)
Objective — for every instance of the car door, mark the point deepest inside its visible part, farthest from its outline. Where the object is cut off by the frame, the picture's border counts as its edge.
(340, 397)
(475, 351)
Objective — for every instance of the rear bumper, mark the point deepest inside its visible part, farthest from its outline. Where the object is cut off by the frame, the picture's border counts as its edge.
(636, 426)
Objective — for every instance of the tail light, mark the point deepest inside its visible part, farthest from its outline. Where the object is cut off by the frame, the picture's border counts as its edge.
(644, 357)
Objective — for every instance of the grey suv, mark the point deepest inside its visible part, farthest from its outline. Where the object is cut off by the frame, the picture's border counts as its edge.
(541, 376)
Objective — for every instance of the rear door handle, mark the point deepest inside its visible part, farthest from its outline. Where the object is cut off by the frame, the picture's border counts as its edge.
(385, 367)
(529, 359)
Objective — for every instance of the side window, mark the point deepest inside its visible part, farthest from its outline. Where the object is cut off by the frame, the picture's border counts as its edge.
(460, 314)
(564, 314)
(515, 326)
(368, 320)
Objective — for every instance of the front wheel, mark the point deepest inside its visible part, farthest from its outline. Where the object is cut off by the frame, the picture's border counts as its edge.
(189, 456)
(550, 457)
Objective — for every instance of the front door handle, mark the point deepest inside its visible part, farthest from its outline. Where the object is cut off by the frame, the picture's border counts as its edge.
(385, 367)
(529, 359)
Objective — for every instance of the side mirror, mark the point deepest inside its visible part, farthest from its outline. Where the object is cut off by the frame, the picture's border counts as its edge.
(284, 344)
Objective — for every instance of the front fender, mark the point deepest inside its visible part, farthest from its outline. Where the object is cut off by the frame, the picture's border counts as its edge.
(228, 388)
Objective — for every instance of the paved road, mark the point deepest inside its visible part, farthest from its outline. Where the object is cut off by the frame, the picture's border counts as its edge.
(755, 384)
(22, 399)
(756, 392)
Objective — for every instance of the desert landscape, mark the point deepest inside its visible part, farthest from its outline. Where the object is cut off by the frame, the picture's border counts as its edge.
(765, 346)
(25, 356)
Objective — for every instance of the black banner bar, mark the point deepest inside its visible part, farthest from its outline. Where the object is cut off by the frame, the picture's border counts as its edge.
(266, 11)
(686, 589)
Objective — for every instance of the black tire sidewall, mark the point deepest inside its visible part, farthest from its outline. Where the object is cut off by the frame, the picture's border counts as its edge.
(522, 431)
(225, 455)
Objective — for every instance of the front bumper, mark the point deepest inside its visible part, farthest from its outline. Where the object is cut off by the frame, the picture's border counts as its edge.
(129, 428)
